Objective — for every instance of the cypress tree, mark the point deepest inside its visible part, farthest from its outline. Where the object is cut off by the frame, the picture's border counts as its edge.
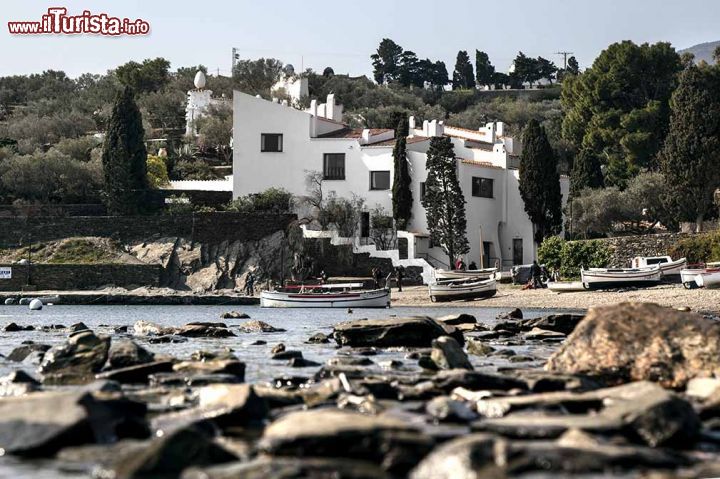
(463, 76)
(690, 158)
(586, 173)
(444, 201)
(124, 157)
(540, 182)
(402, 198)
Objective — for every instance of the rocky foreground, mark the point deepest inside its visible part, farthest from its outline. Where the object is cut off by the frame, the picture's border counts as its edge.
(631, 389)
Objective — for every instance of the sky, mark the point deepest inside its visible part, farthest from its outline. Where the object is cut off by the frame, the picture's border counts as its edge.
(343, 34)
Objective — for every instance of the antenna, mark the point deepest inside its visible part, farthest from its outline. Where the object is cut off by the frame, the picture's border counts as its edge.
(565, 57)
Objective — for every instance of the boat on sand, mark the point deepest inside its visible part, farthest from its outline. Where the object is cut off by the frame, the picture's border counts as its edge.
(341, 295)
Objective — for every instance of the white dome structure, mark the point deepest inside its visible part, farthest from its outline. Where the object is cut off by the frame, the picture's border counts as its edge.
(200, 80)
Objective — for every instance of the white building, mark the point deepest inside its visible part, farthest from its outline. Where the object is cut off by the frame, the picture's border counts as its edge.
(199, 100)
(276, 145)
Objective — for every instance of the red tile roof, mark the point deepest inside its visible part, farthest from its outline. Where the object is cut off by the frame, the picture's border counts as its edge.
(410, 140)
(353, 133)
(484, 164)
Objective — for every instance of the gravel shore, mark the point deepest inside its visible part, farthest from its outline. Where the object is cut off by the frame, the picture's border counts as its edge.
(514, 297)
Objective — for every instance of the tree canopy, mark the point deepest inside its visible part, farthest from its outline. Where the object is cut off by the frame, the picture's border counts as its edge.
(484, 70)
(463, 76)
(402, 198)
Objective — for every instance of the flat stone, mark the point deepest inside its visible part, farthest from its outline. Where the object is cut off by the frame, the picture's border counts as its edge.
(478, 347)
(410, 332)
(288, 354)
(319, 338)
(537, 333)
(446, 409)
(137, 374)
(302, 363)
(125, 352)
(14, 327)
(703, 388)
(215, 366)
(291, 468)
(455, 319)
(513, 314)
(561, 323)
(76, 360)
(475, 380)
(167, 338)
(259, 327)
(448, 354)
(20, 353)
(234, 315)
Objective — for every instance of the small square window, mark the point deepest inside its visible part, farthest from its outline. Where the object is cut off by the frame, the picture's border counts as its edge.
(334, 166)
(379, 180)
(482, 187)
(271, 142)
(422, 191)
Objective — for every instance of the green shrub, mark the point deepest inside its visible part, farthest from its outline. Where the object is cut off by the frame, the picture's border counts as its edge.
(698, 248)
(157, 172)
(549, 252)
(198, 170)
(274, 200)
(568, 257)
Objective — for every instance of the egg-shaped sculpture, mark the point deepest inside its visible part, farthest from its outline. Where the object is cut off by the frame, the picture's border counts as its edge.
(200, 80)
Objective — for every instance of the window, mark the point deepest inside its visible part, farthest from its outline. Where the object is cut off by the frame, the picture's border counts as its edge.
(379, 180)
(334, 166)
(271, 142)
(517, 251)
(422, 191)
(482, 187)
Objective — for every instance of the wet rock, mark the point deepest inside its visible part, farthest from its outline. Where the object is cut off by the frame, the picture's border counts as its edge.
(166, 339)
(447, 354)
(411, 332)
(319, 338)
(466, 457)
(278, 348)
(121, 329)
(125, 353)
(561, 323)
(259, 342)
(20, 353)
(215, 366)
(302, 363)
(205, 330)
(14, 327)
(537, 333)
(521, 358)
(146, 328)
(287, 354)
(349, 361)
(358, 351)
(507, 326)
(18, 383)
(392, 364)
(191, 380)
(475, 380)
(703, 388)
(169, 455)
(638, 341)
(40, 424)
(137, 374)
(225, 405)
(426, 362)
(504, 353)
(445, 409)
(514, 314)
(259, 327)
(392, 443)
(478, 347)
(456, 319)
(235, 315)
(210, 355)
(291, 468)
(76, 360)
(74, 328)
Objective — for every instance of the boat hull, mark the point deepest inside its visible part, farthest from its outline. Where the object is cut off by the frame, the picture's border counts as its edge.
(457, 291)
(565, 286)
(598, 278)
(444, 275)
(379, 298)
(673, 269)
(708, 279)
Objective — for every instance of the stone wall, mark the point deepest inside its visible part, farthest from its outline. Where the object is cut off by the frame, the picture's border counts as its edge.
(65, 277)
(202, 227)
(53, 210)
(625, 248)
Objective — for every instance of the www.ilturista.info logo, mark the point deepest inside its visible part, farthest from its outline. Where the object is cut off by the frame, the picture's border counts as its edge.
(57, 21)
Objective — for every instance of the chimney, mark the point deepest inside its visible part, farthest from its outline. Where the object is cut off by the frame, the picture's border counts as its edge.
(426, 128)
(330, 107)
(365, 137)
(313, 107)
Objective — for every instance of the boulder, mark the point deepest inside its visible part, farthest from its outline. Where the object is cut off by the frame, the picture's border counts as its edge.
(468, 457)
(287, 354)
(20, 353)
(167, 339)
(445, 409)
(475, 380)
(455, 319)
(278, 348)
(447, 354)
(215, 366)
(14, 327)
(641, 341)
(411, 332)
(204, 330)
(290, 468)
(390, 442)
(562, 323)
(137, 374)
(302, 363)
(40, 424)
(76, 360)
(258, 327)
(18, 383)
(537, 333)
(234, 315)
(478, 347)
(201, 355)
(146, 328)
(74, 328)
(319, 338)
(125, 353)
(514, 314)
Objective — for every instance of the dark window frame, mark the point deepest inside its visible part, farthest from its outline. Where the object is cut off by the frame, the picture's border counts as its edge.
(263, 142)
(423, 190)
(389, 184)
(480, 191)
(336, 176)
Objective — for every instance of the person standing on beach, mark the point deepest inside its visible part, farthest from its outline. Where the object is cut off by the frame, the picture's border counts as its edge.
(399, 276)
(536, 274)
(250, 284)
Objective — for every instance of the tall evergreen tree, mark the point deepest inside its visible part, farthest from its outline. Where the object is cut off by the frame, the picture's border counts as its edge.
(402, 198)
(463, 77)
(444, 201)
(573, 67)
(586, 172)
(484, 70)
(540, 182)
(124, 157)
(690, 158)
(386, 61)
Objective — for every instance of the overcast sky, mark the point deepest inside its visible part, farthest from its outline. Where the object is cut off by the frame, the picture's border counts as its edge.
(343, 34)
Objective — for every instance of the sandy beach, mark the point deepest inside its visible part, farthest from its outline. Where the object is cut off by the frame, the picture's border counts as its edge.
(514, 297)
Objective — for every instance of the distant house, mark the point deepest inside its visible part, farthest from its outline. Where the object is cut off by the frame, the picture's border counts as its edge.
(276, 145)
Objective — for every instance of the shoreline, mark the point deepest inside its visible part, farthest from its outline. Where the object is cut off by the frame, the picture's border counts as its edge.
(508, 296)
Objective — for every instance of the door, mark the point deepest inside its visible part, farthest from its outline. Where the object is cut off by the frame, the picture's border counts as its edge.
(517, 251)
(486, 255)
(364, 224)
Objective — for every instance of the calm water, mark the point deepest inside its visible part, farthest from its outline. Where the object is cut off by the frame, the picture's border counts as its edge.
(300, 325)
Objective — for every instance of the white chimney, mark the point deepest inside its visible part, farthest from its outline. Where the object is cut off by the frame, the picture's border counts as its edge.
(313, 107)
(330, 107)
(365, 137)
(426, 128)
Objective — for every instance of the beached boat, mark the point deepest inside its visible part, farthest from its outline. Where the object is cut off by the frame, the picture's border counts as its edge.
(565, 286)
(326, 296)
(474, 288)
(464, 274)
(688, 277)
(601, 278)
(708, 278)
(668, 267)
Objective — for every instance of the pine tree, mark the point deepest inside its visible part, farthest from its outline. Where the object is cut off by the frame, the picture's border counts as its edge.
(463, 77)
(124, 157)
(586, 173)
(540, 182)
(484, 70)
(402, 198)
(444, 201)
(690, 158)
(386, 61)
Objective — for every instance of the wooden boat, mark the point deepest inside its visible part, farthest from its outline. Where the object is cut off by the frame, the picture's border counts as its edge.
(474, 288)
(566, 286)
(709, 278)
(668, 267)
(601, 278)
(464, 274)
(326, 296)
(688, 277)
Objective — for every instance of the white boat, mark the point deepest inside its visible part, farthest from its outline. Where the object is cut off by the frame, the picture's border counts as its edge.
(323, 296)
(462, 274)
(689, 277)
(708, 278)
(668, 267)
(474, 288)
(600, 278)
(566, 286)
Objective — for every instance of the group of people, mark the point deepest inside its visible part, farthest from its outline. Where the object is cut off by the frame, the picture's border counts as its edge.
(377, 276)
